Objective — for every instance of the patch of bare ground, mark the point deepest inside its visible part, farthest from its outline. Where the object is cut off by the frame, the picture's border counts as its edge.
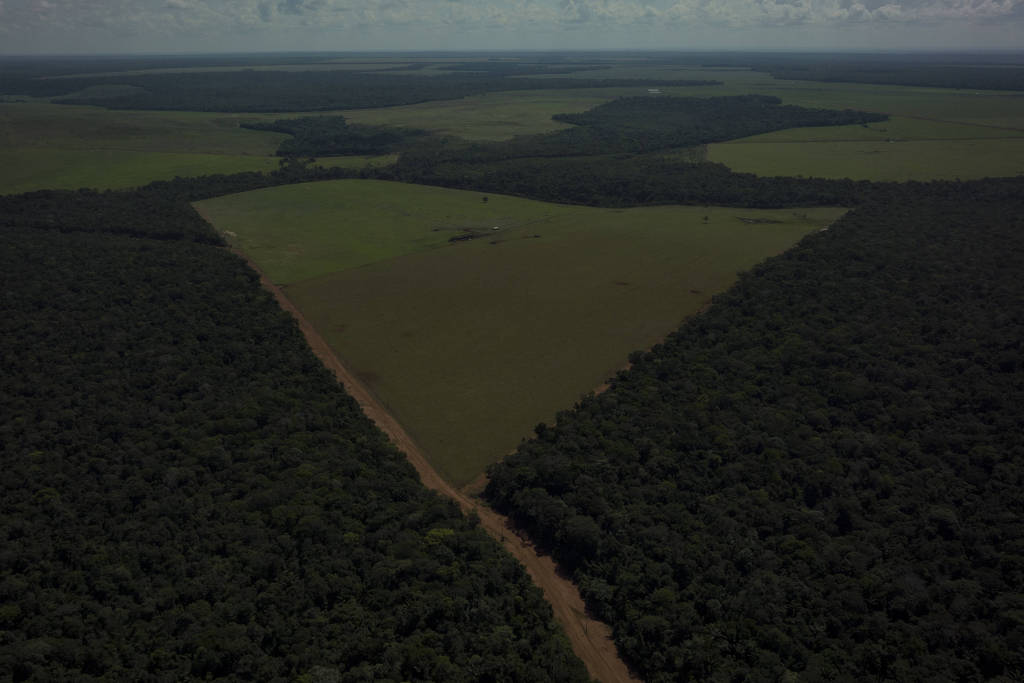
(591, 639)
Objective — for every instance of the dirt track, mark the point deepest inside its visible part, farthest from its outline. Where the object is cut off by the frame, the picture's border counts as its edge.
(590, 639)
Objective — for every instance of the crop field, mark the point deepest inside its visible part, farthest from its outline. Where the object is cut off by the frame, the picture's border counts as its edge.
(471, 343)
(898, 149)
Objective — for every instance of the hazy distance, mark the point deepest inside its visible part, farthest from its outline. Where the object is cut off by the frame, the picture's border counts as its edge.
(116, 26)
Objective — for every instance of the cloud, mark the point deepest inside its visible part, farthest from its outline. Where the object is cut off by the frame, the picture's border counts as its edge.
(215, 22)
(300, 6)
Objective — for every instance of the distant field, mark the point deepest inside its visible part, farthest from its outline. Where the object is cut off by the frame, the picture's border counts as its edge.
(898, 149)
(897, 161)
(54, 146)
(472, 343)
(25, 170)
(494, 116)
(62, 126)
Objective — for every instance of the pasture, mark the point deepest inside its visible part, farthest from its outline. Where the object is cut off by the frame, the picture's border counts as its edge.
(895, 150)
(54, 146)
(472, 343)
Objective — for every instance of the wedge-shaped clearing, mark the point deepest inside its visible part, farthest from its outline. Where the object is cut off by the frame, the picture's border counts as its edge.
(471, 343)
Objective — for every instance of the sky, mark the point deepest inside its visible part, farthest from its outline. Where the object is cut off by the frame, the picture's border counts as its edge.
(148, 26)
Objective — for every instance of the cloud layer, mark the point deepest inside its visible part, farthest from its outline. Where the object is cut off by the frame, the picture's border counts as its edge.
(203, 20)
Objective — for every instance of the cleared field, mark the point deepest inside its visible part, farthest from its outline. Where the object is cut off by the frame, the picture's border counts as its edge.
(472, 343)
(61, 126)
(897, 161)
(494, 116)
(24, 170)
(898, 149)
(53, 146)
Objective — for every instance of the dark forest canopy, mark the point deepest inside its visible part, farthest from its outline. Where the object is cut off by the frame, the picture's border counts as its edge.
(820, 476)
(186, 493)
(628, 180)
(333, 136)
(272, 91)
(638, 125)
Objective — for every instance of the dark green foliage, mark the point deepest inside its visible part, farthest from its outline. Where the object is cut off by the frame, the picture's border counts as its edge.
(620, 142)
(638, 125)
(647, 124)
(824, 473)
(272, 91)
(135, 213)
(629, 181)
(931, 75)
(333, 136)
(186, 493)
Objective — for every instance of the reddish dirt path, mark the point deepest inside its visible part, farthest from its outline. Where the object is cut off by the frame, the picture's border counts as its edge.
(591, 640)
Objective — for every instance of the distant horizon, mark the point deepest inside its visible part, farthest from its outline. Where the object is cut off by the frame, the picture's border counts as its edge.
(515, 51)
(72, 27)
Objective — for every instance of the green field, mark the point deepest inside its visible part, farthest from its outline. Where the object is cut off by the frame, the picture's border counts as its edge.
(472, 343)
(54, 146)
(27, 169)
(898, 149)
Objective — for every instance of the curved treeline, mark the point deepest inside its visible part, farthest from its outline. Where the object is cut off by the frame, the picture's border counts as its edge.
(334, 136)
(187, 494)
(639, 125)
(822, 476)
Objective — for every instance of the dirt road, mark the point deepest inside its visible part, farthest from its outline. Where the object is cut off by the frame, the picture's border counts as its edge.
(591, 639)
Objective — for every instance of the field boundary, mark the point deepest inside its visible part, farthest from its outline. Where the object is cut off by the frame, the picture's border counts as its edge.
(591, 640)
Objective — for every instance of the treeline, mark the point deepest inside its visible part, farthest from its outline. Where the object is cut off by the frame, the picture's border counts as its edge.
(638, 125)
(314, 136)
(159, 210)
(187, 494)
(626, 180)
(273, 91)
(821, 476)
(995, 77)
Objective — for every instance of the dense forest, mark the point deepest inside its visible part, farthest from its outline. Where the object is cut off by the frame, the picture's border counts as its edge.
(334, 136)
(821, 476)
(274, 91)
(638, 125)
(1003, 77)
(628, 180)
(188, 494)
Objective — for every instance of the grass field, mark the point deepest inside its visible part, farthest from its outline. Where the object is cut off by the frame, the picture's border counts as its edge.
(26, 169)
(56, 146)
(898, 149)
(472, 343)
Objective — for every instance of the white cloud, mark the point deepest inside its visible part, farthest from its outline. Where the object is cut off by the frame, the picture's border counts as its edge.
(210, 22)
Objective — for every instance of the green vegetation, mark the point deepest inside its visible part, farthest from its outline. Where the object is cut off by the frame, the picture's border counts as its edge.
(47, 146)
(27, 169)
(332, 135)
(494, 116)
(41, 125)
(817, 478)
(896, 150)
(276, 91)
(882, 161)
(187, 494)
(472, 342)
(644, 124)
